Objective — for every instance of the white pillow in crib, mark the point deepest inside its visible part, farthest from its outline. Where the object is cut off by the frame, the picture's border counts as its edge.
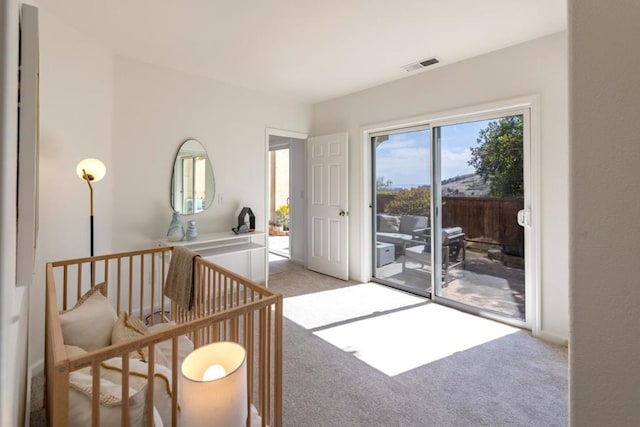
(185, 346)
(80, 395)
(129, 328)
(111, 370)
(89, 323)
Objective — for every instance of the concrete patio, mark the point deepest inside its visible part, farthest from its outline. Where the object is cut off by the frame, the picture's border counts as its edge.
(482, 283)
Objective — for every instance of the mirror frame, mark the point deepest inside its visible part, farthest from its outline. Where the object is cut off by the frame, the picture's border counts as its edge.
(209, 184)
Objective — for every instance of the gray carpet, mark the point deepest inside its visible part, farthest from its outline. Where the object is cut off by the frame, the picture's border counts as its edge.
(513, 380)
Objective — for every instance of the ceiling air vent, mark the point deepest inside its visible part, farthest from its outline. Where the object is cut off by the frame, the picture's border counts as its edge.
(421, 64)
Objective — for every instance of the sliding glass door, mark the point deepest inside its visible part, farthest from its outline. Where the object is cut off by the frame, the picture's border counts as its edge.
(454, 195)
(402, 199)
(480, 193)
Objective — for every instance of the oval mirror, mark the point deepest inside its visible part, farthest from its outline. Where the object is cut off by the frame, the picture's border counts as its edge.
(192, 183)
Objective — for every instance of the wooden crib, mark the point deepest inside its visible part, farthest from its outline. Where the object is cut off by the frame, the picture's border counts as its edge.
(227, 307)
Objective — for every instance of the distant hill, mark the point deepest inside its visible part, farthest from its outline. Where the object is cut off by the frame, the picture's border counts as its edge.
(470, 185)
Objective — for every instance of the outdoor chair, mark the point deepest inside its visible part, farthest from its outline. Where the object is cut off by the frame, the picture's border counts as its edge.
(418, 249)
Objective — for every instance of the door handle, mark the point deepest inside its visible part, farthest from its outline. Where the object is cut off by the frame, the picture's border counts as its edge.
(343, 213)
(524, 218)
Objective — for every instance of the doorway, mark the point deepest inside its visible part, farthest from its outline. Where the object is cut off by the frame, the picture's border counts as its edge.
(285, 194)
(451, 213)
(280, 200)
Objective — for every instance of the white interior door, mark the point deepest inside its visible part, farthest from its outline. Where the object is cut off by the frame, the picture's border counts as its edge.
(328, 212)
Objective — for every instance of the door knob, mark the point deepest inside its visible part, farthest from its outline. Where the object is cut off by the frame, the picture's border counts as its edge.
(343, 213)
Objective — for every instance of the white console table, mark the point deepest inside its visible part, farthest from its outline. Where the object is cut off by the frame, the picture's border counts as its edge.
(244, 254)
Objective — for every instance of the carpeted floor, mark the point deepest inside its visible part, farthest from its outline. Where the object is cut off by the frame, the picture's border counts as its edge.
(367, 355)
(457, 369)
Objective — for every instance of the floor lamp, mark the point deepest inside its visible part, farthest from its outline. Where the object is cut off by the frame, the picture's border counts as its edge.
(90, 171)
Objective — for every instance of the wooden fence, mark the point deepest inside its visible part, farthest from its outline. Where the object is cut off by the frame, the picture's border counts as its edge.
(484, 220)
(487, 220)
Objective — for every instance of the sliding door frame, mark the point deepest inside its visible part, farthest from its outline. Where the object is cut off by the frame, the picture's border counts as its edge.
(532, 176)
(436, 198)
(374, 205)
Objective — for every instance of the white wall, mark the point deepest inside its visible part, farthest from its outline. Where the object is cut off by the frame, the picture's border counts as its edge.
(133, 117)
(75, 123)
(604, 374)
(537, 67)
(155, 110)
(13, 301)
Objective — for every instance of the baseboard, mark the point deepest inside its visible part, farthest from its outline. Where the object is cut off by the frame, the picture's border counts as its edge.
(553, 338)
(297, 261)
(36, 368)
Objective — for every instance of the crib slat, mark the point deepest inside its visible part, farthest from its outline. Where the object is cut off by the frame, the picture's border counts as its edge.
(162, 266)
(174, 382)
(119, 285)
(93, 273)
(130, 284)
(106, 272)
(150, 379)
(249, 348)
(65, 286)
(79, 289)
(141, 312)
(153, 288)
(277, 363)
(95, 394)
(267, 372)
(210, 301)
(216, 305)
(124, 415)
(261, 359)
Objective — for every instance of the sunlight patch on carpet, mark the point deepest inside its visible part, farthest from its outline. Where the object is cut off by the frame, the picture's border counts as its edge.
(401, 341)
(328, 307)
(394, 342)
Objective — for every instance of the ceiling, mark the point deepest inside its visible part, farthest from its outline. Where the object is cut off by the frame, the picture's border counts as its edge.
(309, 50)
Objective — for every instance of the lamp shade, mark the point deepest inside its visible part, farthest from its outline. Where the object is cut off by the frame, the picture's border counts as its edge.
(213, 386)
(95, 169)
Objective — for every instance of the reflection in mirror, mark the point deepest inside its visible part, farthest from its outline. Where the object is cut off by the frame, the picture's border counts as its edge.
(192, 183)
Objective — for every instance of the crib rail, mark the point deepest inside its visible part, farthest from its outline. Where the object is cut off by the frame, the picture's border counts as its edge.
(226, 307)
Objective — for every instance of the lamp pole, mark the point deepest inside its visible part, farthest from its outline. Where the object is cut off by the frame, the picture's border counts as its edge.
(88, 177)
(91, 171)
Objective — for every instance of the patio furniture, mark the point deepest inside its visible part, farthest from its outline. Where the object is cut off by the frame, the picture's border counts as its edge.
(385, 254)
(399, 229)
(418, 250)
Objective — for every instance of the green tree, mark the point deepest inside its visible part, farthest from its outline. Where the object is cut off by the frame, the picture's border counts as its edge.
(498, 157)
(413, 201)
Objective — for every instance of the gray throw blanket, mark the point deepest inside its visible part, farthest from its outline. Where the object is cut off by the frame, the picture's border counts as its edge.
(180, 278)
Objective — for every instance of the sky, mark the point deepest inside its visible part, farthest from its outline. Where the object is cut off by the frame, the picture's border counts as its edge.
(406, 157)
